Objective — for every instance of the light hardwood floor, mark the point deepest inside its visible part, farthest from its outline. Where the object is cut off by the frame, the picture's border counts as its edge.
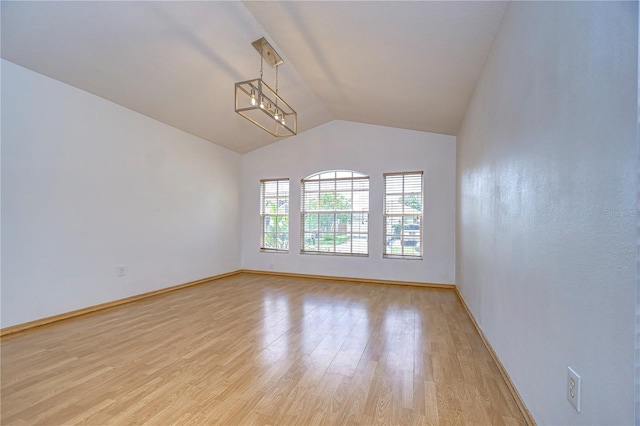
(255, 349)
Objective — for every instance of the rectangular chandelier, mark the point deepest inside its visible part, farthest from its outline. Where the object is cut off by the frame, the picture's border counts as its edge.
(260, 104)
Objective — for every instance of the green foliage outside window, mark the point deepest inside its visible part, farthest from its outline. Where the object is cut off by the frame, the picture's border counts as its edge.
(329, 201)
(276, 228)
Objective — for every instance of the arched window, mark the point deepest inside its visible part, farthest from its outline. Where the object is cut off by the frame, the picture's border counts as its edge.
(335, 213)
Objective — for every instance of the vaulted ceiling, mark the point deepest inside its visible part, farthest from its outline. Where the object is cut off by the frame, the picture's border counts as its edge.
(411, 65)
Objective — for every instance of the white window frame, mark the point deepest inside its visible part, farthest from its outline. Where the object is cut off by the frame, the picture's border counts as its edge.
(407, 218)
(281, 200)
(357, 227)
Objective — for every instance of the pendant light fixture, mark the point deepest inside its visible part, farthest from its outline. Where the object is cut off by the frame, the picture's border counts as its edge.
(261, 105)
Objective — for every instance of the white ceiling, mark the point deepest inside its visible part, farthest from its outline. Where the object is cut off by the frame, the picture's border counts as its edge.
(412, 65)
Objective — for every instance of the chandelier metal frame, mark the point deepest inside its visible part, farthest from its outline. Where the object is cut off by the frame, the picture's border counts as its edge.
(260, 104)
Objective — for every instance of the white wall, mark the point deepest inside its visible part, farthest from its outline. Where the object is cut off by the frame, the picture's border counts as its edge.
(372, 150)
(637, 345)
(88, 185)
(546, 200)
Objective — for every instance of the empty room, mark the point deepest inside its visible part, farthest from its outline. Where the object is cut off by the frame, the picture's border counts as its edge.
(319, 212)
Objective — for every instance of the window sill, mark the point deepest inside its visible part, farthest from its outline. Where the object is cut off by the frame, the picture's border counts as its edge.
(329, 253)
(398, 256)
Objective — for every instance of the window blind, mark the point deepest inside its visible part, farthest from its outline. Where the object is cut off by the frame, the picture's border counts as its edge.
(402, 218)
(274, 214)
(335, 213)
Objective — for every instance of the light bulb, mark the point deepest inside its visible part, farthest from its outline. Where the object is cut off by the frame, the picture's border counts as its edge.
(276, 116)
(283, 119)
(261, 103)
(253, 99)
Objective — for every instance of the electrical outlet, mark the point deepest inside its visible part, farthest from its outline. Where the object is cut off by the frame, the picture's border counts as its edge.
(573, 388)
(121, 270)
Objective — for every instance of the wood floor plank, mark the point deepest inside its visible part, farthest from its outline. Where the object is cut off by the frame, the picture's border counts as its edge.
(264, 350)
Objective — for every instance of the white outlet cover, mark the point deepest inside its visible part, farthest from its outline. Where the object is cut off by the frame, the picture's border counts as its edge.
(573, 388)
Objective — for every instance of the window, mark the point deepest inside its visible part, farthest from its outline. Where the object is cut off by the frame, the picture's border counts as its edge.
(403, 215)
(335, 213)
(274, 214)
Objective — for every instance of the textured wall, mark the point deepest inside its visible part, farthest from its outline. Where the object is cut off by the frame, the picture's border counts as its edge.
(546, 248)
